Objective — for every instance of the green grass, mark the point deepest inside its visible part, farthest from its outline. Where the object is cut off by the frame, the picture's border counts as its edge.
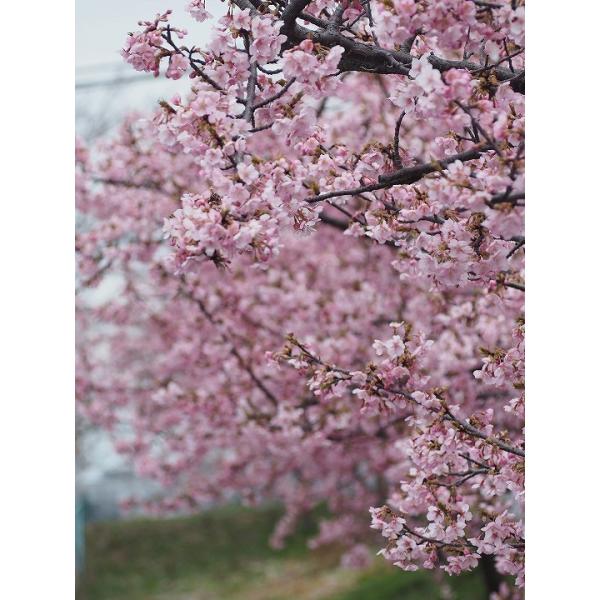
(224, 554)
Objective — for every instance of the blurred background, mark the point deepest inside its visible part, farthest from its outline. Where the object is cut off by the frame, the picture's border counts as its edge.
(106, 89)
(222, 553)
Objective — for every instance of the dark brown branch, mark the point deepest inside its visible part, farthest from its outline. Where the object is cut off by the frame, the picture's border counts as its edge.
(514, 286)
(360, 56)
(405, 176)
(250, 92)
(263, 388)
(290, 14)
(413, 174)
(445, 412)
(466, 427)
(396, 155)
(506, 198)
(276, 96)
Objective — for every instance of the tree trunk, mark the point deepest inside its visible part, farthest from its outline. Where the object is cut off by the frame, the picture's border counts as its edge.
(490, 574)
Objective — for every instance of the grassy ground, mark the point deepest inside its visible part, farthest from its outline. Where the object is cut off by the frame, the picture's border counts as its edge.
(224, 555)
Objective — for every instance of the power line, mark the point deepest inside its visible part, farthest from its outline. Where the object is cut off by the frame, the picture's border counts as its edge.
(114, 66)
(86, 85)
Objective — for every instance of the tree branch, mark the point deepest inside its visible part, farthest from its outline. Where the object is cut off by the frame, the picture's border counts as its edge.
(405, 176)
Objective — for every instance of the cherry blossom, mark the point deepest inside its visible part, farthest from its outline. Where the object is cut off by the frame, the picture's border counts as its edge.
(319, 256)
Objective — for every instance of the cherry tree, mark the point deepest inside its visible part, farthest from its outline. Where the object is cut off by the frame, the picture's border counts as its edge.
(320, 260)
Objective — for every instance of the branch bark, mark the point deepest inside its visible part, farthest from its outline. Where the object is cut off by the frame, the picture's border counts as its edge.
(405, 176)
(370, 58)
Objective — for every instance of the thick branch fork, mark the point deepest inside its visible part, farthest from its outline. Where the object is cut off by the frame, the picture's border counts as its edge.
(370, 58)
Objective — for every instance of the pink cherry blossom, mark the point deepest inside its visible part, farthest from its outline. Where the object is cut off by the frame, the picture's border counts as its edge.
(198, 10)
(178, 65)
(320, 256)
